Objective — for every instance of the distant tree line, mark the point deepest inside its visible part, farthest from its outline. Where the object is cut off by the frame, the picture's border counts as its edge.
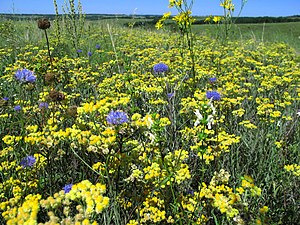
(152, 19)
(260, 19)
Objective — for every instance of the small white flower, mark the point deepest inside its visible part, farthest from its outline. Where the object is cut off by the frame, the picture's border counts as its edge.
(149, 122)
(298, 113)
(151, 136)
(105, 151)
(199, 117)
(210, 121)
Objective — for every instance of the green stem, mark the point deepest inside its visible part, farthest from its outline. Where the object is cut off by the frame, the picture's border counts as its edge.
(84, 162)
(48, 46)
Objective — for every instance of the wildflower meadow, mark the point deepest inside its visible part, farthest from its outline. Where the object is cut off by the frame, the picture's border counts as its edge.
(106, 124)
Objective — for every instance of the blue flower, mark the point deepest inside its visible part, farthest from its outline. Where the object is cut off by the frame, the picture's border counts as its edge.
(17, 108)
(90, 54)
(43, 105)
(116, 117)
(160, 68)
(28, 161)
(25, 75)
(97, 46)
(213, 95)
(190, 192)
(79, 50)
(171, 95)
(212, 79)
(67, 188)
(5, 98)
(30, 79)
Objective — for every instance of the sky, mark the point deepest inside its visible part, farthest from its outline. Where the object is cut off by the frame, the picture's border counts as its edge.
(154, 7)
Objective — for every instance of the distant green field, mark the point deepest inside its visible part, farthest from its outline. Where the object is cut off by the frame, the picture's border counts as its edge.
(269, 32)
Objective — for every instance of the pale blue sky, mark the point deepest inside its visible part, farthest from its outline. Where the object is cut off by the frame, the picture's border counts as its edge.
(154, 7)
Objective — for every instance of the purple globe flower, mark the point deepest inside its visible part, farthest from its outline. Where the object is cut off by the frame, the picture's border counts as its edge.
(79, 50)
(97, 46)
(5, 98)
(30, 79)
(160, 68)
(17, 108)
(28, 161)
(43, 105)
(25, 75)
(215, 96)
(67, 188)
(90, 54)
(212, 79)
(170, 95)
(116, 117)
(190, 192)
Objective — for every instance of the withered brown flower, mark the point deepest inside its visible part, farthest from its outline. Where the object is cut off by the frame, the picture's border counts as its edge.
(43, 23)
(56, 95)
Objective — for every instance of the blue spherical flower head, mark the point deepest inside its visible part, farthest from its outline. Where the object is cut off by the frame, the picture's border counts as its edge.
(25, 75)
(79, 50)
(5, 98)
(30, 78)
(116, 117)
(67, 188)
(97, 46)
(90, 54)
(212, 79)
(17, 108)
(160, 68)
(215, 96)
(43, 105)
(190, 192)
(170, 95)
(28, 161)
(20, 75)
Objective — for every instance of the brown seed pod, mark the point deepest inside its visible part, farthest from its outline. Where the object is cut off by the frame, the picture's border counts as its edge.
(56, 95)
(49, 77)
(43, 23)
(72, 111)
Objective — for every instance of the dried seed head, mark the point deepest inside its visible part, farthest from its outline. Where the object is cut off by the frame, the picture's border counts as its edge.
(43, 23)
(49, 77)
(72, 111)
(56, 95)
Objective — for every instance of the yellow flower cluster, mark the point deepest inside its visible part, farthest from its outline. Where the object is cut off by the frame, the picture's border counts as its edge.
(153, 210)
(26, 213)
(88, 197)
(293, 168)
(227, 4)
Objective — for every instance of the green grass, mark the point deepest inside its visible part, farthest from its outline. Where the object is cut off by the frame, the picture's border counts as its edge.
(288, 33)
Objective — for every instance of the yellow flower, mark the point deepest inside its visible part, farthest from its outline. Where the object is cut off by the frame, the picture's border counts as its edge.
(217, 19)
(264, 209)
(248, 124)
(132, 222)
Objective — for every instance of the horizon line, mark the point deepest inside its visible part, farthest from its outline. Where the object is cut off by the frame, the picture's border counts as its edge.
(124, 14)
